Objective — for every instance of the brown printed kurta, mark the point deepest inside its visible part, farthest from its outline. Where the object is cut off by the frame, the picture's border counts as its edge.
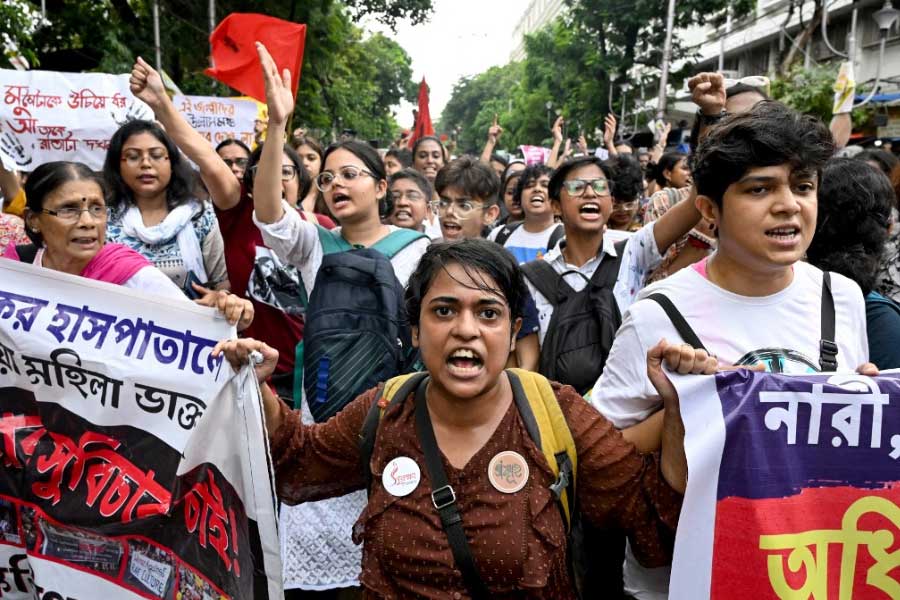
(518, 540)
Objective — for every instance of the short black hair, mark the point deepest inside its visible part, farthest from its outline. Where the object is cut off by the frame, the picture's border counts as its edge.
(886, 161)
(417, 178)
(46, 178)
(471, 176)
(303, 175)
(481, 259)
(403, 156)
(500, 159)
(559, 175)
(233, 142)
(855, 202)
(666, 162)
(627, 178)
(530, 174)
(305, 140)
(769, 134)
(181, 185)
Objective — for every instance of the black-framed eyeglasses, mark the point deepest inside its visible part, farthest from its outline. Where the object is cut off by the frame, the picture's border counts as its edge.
(236, 162)
(288, 172)
(72, 214)
(348, 174)
(576, 187)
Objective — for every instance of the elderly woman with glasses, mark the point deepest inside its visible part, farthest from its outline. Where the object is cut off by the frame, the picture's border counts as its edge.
(66, 218)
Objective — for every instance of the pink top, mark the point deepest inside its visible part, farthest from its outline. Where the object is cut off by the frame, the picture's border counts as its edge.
(700, 267)
(114, 263)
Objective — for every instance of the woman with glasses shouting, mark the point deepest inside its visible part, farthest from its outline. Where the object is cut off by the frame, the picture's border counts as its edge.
(354, 185)
(254, 272)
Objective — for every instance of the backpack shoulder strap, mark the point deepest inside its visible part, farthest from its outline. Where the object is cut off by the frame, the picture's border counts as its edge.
(27, 252)
(558, 234)
(547, 426)
(544, 278)
(828, 349)
(608, 271)
(332, 241)
(394, 242)
(504, 233)
(678, 320)
(393, 392)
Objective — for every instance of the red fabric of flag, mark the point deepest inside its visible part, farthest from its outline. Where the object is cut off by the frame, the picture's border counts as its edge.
(423, 126)
(234, 55)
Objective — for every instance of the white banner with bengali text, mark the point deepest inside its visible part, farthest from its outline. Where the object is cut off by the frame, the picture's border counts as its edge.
(49, 115)
(133, 464)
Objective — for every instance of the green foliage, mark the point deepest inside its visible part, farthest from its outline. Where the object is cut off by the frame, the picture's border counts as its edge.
(347, 81)
(570, 63)
(811, 91)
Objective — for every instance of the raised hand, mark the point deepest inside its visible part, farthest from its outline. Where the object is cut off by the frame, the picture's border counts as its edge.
(609, 130)
(146, 83)
(582, 144)
(557, 129)
(279, 94)
(708, 92)
(494, 131)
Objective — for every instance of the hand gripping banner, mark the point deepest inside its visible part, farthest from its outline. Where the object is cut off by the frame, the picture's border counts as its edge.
(794, 487)
(132, 463)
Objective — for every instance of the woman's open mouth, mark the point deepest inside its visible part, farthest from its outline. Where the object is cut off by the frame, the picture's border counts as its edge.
(465, 363)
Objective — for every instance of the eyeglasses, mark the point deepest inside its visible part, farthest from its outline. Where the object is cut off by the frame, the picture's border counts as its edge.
(287, 171)
(462, 209)
(236, 162)
(134, 158)
(347, 174)
(631, 204)
(576, 187)
(411, 195)
(72, 214)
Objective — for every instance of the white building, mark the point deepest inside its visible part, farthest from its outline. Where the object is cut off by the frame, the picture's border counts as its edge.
(538, 14)
(752, 45)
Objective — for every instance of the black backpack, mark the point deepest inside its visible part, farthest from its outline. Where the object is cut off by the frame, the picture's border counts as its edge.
(584, 324)
(357, 333)
(507, 230)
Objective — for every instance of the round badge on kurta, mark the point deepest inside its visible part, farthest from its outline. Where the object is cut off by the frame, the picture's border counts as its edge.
(508, 472)
(401, 476)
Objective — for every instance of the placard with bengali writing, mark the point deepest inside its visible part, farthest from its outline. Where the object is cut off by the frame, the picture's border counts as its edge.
(50, 115)
(794, 487)
(132, 462)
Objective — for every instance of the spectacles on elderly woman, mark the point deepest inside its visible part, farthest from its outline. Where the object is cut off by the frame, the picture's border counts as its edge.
(72, 214)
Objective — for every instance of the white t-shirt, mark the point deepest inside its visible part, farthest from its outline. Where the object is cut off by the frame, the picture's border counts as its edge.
(296, 242)
(781, 330)
(525, 245)
(640, 257)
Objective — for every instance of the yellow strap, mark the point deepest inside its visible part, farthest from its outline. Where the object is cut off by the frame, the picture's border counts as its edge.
(555, 433)
(390, 388)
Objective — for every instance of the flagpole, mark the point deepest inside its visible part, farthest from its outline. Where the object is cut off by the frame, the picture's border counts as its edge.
(156, 36)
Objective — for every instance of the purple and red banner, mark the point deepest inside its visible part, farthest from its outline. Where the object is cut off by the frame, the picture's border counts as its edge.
(794, 487)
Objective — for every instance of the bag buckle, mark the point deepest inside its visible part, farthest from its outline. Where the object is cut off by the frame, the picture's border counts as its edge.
(448, 497)
(561, 483)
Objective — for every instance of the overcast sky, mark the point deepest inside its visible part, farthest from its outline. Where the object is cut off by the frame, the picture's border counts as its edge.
(462, 37)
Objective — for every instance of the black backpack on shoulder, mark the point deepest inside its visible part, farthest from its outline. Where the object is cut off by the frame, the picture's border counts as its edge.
(583, 325)
(503, 235)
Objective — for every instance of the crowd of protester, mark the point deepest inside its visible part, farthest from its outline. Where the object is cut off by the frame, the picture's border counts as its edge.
(342, 267)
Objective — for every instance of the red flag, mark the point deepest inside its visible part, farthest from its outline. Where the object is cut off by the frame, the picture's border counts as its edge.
(423, 124)
(234, 56)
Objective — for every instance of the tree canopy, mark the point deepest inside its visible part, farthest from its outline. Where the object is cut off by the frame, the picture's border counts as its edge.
(594, 46)
(348, 80)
